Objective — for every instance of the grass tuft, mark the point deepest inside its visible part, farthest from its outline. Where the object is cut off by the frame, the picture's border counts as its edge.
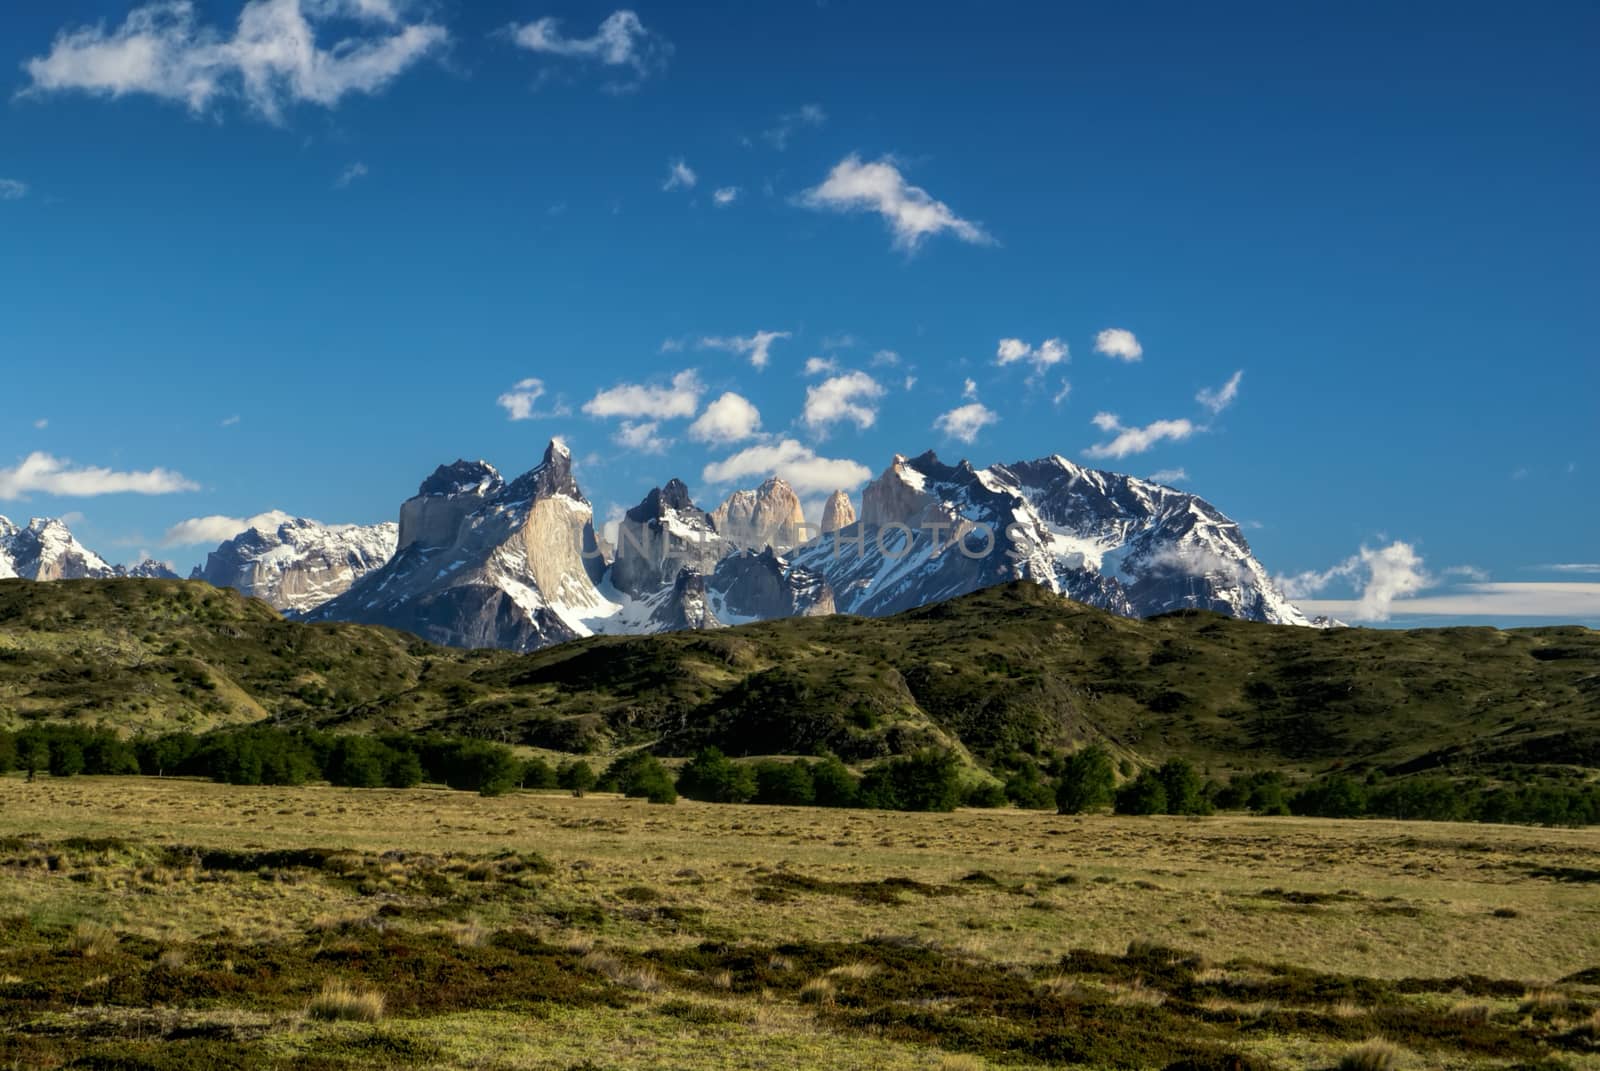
(1374, 1054)
(340, 1001)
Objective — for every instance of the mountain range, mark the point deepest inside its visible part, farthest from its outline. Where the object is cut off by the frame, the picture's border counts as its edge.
(476, 560)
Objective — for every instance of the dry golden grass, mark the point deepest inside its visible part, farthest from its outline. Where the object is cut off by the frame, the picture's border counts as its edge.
(339, 1000)
(1383, 900)
(1374, 1054)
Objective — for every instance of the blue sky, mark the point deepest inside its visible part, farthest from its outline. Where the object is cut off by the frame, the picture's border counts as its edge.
(293, 254)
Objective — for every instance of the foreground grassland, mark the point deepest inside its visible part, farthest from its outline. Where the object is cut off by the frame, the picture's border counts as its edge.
(166, 924)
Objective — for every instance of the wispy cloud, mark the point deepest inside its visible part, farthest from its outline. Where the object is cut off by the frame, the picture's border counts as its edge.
(621, 42)
(816, 366)
(1573, 567)
(12, 190)
(1382, 575)
(1169, 476)
(350, 174)
(910, 211)
(795, 462)
(807, 115)
(1118, 343)
(757, 347)
(680, 176)
(1130, 441)
(725, 196)
(1219, 399)
(678, 401)
(519, 401)
(1558, 601)
(1043, 357)
(849, 397)
(44, 474)
(271, 60)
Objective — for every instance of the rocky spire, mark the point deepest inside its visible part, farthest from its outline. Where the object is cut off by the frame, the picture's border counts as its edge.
(838, 513)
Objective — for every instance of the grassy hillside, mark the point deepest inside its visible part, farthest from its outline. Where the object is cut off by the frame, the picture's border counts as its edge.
(172, 654)
(1011, 669)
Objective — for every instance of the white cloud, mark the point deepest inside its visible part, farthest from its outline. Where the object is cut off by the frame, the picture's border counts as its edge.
(49, 475)
(219, 529)
(518, 402)
(1063, 394)
(840, 342)
(1169, 476)
(1219, 399)
(229, 421)
(12, 190)
(349, 175)
(679, 400)
(758, 347)
(912, 214)
(796, 463)
(1118, 343)
(641, 436)
(1048, 354)
(725, 195)
(1382, 575)
(969, 389)
(1130, 441)
(1561, 600)
(271, 61)
(729, 419)
(810, 115)
(885, 359)
(1574, 567)
(843, 397)
(911, 381)
(816, 366)
(41, 423)
(621, 41)
(680, 176)
(964, 422)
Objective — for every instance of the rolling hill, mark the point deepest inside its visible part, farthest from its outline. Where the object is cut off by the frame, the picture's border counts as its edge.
(1009, 669)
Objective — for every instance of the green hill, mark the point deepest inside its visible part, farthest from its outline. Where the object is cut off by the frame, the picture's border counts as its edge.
(1011, 669)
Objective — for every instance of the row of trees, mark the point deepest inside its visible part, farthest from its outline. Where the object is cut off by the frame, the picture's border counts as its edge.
(1087, 780)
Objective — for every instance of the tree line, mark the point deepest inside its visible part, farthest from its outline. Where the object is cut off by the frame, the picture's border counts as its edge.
(1087, 780)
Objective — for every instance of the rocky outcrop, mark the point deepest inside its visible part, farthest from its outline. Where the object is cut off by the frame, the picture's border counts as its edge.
(299, 564)
(660, 537)
(769, 516)
(755, 586)
(837, 513)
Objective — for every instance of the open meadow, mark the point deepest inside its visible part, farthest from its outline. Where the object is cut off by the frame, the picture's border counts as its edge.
(152, 923)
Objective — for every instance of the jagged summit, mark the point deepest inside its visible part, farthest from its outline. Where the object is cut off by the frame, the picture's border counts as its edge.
(46, 549)
(298, 564)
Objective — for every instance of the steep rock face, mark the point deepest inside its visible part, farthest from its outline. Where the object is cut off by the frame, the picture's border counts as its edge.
(149, 569)
(837, 513)
(662, 536)
(445, 499)
(769, 516)
(299, 564)
(750, 586)
(485, 563)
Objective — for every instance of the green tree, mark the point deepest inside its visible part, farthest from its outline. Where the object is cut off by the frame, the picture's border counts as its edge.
(1030, 791)
(66, 758)
(33, 755)
(833, 785)
(576, 776)
(714, 778)
(984, 794)
(1184, 791)
(1143, 795)
(537, 773)
(784, 783)
(1087, 781)
(927, 781)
